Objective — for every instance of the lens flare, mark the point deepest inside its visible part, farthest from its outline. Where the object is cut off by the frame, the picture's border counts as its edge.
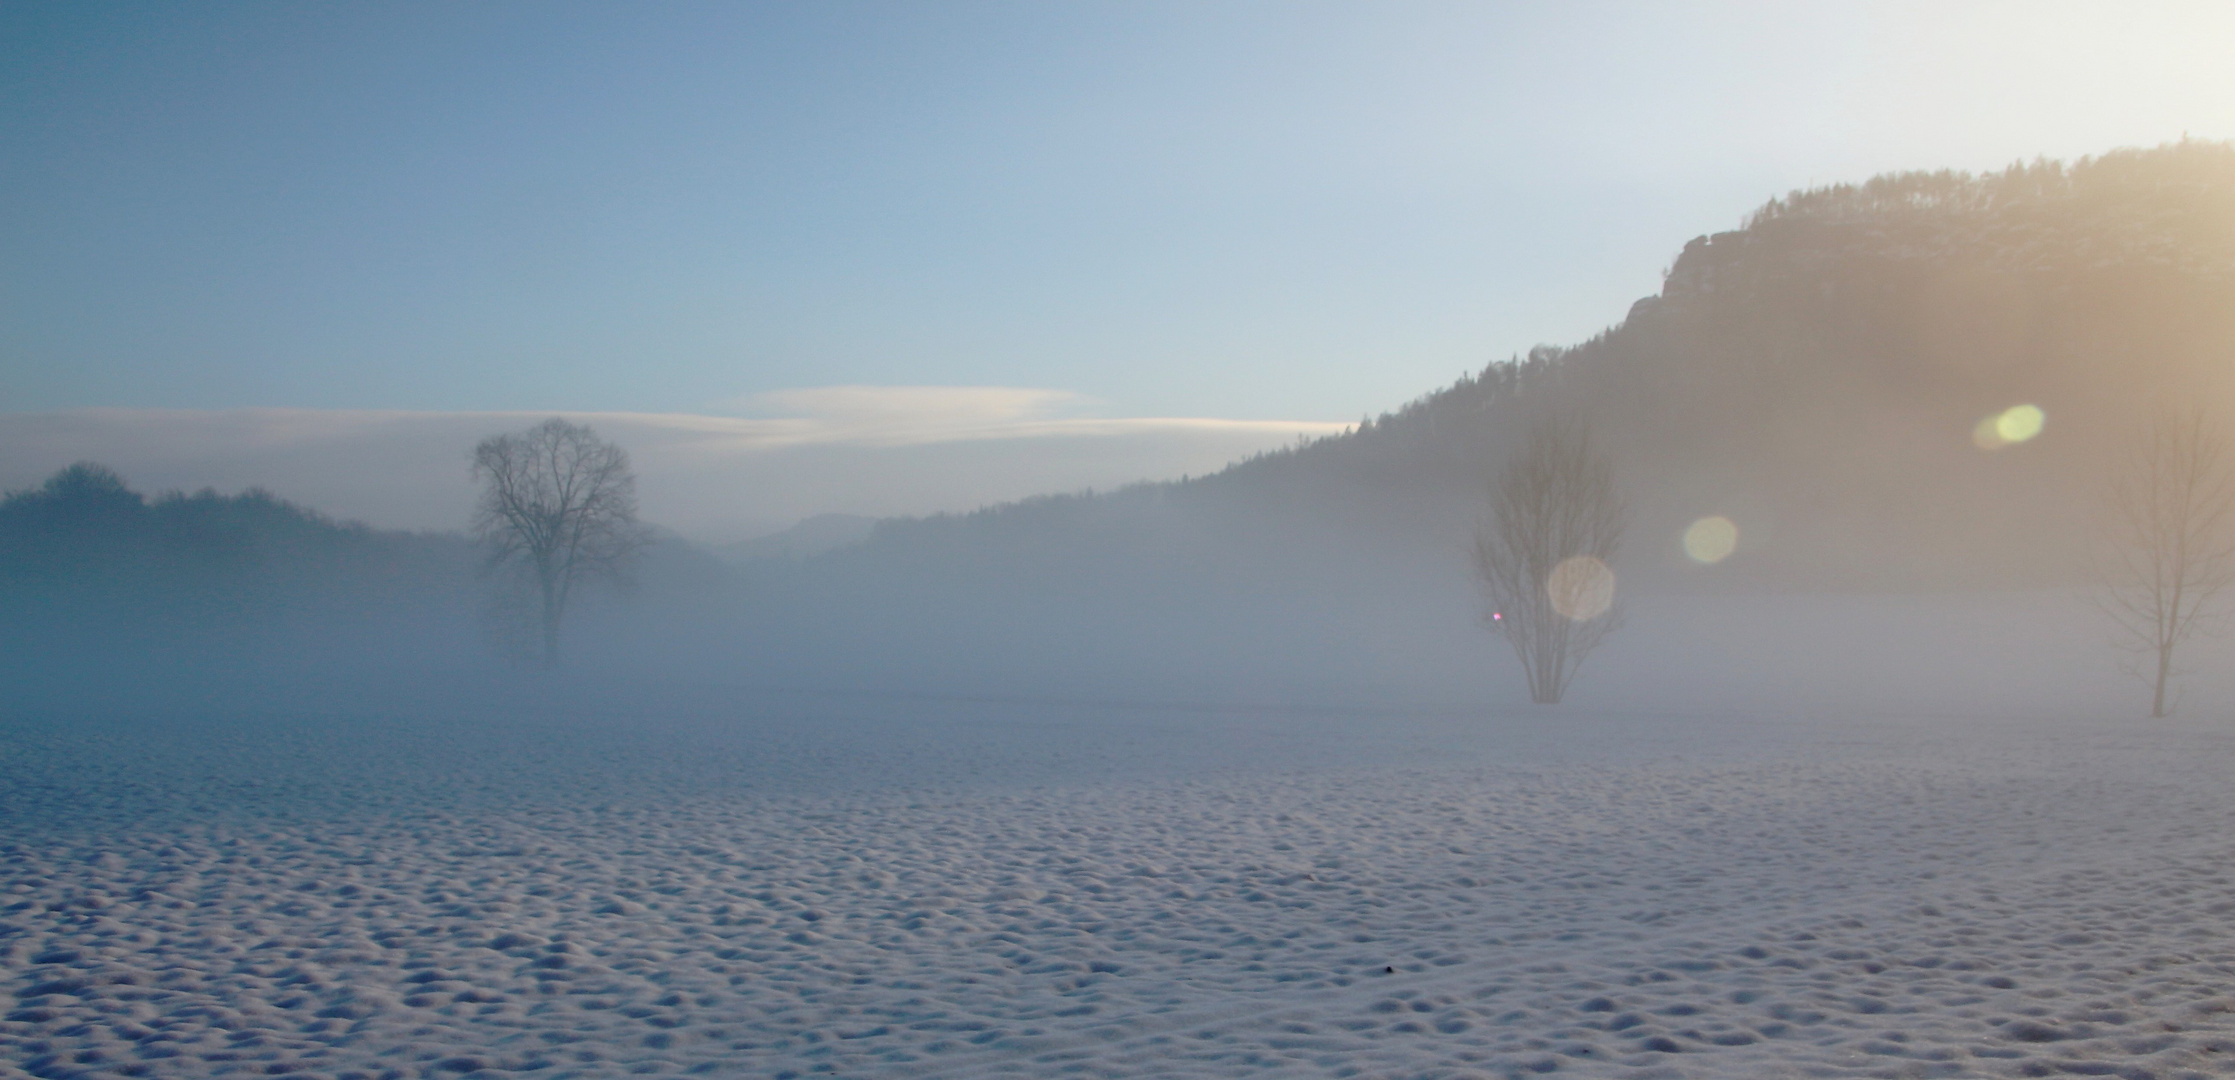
(1581, 588)
(2019, 423)
(1710, 540)
(2013, 425)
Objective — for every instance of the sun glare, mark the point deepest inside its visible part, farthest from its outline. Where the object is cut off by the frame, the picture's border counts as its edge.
(1710, 540)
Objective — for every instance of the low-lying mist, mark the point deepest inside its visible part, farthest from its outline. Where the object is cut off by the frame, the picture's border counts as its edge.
(1827, 379)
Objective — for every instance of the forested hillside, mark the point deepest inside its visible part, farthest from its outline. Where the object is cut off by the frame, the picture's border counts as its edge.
(99, 580)
(1816, 375)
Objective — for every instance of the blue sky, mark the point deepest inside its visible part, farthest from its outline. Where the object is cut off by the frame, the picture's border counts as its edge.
(1282, 212)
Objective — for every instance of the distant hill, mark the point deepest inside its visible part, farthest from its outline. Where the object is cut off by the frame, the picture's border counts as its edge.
(94, 575)
(813, 536)
(105, 587)
(1816, 375)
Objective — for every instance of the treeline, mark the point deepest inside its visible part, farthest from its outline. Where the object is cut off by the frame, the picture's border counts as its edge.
(96, 576)
(1817, 375)
(103, 587)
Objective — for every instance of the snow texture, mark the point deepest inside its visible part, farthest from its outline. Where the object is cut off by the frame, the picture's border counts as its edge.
(802, 887)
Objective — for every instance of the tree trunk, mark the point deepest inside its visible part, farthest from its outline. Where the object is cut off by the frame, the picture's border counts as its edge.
(2164, 672)
(551, 613)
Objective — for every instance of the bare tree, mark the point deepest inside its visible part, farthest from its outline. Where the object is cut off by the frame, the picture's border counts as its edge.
(1543, 554)
(2171, 555)
(558, 506)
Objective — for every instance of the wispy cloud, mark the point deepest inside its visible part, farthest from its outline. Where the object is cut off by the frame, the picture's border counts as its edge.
(919, 415)
(864, 449)
(900, 415)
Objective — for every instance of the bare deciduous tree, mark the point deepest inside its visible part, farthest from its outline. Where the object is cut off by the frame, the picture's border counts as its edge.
(2171, 554)
(1543, 554)
(558, 505)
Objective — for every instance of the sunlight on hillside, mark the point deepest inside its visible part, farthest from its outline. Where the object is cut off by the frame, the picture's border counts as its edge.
(831, 540)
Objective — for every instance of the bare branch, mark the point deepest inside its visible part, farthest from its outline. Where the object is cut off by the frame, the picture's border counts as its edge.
(558, 504)
(2170, 556)
(1543, 554)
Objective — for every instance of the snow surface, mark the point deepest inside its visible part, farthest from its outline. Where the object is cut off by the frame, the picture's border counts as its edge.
(806, 886)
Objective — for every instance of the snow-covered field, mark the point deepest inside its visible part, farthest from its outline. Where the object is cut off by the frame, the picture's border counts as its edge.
(803, 886)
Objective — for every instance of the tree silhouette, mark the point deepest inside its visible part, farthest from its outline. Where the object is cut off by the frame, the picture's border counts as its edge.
(2171, 555)
(558, 505)
(1543, 556)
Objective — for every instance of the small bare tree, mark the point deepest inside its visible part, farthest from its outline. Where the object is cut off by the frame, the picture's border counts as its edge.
(1543, 555)
(558, 506)
(2171, 554)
